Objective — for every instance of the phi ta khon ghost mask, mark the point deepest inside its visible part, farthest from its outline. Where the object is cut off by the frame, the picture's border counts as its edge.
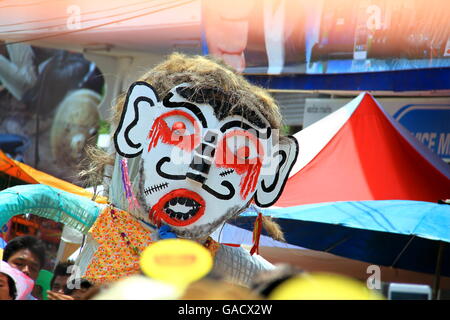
(199, 167)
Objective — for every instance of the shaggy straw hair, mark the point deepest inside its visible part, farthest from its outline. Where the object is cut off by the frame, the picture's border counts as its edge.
(211, 81)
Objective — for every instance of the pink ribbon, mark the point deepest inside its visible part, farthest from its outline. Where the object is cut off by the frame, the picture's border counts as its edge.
(132, 201)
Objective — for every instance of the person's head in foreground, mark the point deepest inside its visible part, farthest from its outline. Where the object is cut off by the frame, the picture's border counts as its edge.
(8, 289)
(27, 254)
(14, 284)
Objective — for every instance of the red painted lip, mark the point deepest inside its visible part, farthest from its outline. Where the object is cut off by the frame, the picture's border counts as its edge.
(159, 211)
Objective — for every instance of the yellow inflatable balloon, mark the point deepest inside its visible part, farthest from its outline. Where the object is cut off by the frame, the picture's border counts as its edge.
(176, 261)
(323, 286)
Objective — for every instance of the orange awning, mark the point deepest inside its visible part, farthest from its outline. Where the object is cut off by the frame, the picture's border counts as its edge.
(28, 174)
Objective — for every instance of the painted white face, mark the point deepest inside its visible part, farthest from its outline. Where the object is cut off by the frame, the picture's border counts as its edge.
(197, 170)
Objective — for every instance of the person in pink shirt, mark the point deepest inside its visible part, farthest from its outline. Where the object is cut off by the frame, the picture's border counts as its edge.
(14, 284)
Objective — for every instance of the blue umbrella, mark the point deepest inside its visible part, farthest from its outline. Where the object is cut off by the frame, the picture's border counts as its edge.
(403, 234)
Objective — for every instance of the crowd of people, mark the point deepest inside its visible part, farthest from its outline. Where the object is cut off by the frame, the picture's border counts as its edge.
(24, 257)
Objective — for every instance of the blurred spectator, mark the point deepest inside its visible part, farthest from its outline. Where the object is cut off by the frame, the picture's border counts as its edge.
(59, 288)
(58, 284)
(27, 254)
(60, 276)
(78, 293)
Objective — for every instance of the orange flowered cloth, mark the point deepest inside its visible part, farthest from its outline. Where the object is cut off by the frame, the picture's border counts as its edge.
(121, 240)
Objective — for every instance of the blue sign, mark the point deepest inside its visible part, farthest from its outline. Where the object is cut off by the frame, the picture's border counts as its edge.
(430, 123)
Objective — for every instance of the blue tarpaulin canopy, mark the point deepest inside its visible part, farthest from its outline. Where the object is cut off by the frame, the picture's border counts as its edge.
(397, 233)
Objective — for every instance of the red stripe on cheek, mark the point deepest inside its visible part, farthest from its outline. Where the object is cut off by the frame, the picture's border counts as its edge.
(249, 170)
(250, 179)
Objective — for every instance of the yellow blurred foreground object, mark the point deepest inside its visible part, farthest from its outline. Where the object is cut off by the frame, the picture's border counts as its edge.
(323, 286)
(176, 261)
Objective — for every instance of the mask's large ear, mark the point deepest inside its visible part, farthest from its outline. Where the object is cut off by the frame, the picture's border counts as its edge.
(273, 180)
(130, 133)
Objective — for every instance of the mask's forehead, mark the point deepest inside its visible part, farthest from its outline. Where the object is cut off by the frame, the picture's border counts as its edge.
(204, 112)
(223, 111)
(239, 122)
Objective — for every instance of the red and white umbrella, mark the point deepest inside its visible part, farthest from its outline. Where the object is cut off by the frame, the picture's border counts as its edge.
(359, 153)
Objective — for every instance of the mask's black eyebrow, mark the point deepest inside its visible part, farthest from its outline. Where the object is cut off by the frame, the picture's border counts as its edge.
(245, 126)
(192, 107)
(224, 103)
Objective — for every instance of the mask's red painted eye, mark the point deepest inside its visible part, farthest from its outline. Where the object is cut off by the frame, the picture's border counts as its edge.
(179, 128)
(241, 151)
(184, 134)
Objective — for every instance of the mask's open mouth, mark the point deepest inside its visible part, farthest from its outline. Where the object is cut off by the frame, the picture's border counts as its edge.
(179, 207)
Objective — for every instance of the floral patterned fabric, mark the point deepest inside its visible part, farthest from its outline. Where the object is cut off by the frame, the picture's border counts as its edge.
(121, 240)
